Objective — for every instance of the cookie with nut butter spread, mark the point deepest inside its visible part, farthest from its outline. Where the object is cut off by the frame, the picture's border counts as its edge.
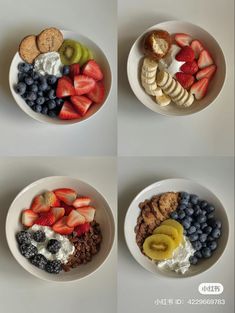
(49, 40)
(28, 49)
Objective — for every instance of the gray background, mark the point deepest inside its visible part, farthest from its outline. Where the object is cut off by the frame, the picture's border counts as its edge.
(20, 292)
(21, 135)
(143, 132)
(138, 288)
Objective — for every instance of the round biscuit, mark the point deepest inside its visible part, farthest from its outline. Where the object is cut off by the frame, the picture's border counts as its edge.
(49, 39)
(28, 49)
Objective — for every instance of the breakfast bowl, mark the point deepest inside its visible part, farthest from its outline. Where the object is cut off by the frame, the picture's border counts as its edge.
(96, 54)
(103, 217)
(135, 61)
(171, 186)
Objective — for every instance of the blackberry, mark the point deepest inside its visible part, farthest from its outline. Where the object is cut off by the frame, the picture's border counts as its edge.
(53, 267)
(28, 250)
(53, 246)
(39, 236)
(39, 261)
(23, 237)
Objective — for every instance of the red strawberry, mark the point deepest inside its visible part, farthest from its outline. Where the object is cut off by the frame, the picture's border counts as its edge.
(185, 80)
(92, 69)
(75, 218)
(81, 202)
(205, 59)
(61, 227)
(206, 72)
(83, 84)
(88, 212)
(199, 88)
(82, 229)
(68, 113)
(186, 54)
(189, 67)
(51, 199)
(58, 212)
(39, 205)
(66, 195)
(183, 39)
(64, 88)
(45, 219)
(74, 70)
(81, 104)
(98, 93)
(197, 47)
(67, 208)
(28, 217)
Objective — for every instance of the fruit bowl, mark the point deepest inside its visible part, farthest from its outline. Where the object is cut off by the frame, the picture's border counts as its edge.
(104, 217)
(98, 55)
(175, 185)
(134, 68)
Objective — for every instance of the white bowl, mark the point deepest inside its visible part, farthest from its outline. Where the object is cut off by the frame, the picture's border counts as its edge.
(103, 216)
(99, 56)
(215, 86)
(174, 185)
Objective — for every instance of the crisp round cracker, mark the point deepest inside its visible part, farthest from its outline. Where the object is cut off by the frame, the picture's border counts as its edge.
(28, 49)
(49, 40)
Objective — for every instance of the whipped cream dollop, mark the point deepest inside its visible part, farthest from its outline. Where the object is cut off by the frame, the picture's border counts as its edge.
(169, 62)
(180, 260)
(66, 250)
(48, 63)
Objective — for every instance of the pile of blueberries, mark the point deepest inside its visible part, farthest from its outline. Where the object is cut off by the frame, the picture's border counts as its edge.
(30, 252)
(200, 225)
(38, 91)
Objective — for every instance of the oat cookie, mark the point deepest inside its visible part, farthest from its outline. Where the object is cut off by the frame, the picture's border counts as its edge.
(168, 202)
(49, 39)
(28, 49)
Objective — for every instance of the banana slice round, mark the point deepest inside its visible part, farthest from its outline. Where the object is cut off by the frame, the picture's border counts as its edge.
(162, 78)
(172, 86)
(157, 92)
(168, 83)
(163, 100)
(176, 91)
(148, 74)
(182, 100)
(149, 65)
(180, 95)
(147, 80)
(189, 101)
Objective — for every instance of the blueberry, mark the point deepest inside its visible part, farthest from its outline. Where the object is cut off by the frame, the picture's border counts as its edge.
(20, 88)
(21, 77)
(174, 215)
(186, 224)
(31, 96)
(34, 75)
(197, 245)
(42, 80)
(184, 201)
(65, 71)
(51, 94)
(212, 245)
(193, 260)
(33, 88)
(216, 233)
(51, 79)
(197, 210)
(40, 100)
(199, 231)
(43, 86)
(215, 223)
(189, 218)
(193, 237)
(197, 225)
(194, 199)
(59, 102)
(38, 108)
(203, 225)
(44, 110)
(30, 103)
(207, 230)
(203, 204)
(189, 211)
(203, 238)
(206, 252)
(181, 214)
(24, 96)
(198, 254)
(28, 81)
(51, 104)
(182, 207)
(201, 219)
(191, 230)
(210, 238)
(210, 216)
(34, 108)
(204, 244)
(24, 67)
(209, 208)
(40, 93)
(52, 114)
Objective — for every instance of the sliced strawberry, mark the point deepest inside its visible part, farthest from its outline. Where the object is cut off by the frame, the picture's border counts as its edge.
(199, 88)
(186, 54)
(66, 195)
(185, 80)
(64, 88)
(28, 217)
(82, 229)
(81, 104)
(98, 93)
(88, 212)
(189, 67)
(50, 199)
(83, 84)
(93, 70)
(197, 47)
(206, 72)
(81, 202)
(75, 218)
(45, 219)
(183, 39)
(67, 208)
(68, 113)
(61, 227)
(58, 212)
(74, 70)
(205, 59)
(39, 205)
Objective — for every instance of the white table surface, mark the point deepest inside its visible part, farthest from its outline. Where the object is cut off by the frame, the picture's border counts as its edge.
(143, 132)
(21, 135)
(138, 288)
(21, 292)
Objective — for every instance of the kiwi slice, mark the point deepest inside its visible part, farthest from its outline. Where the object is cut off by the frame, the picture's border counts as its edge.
(85, 55)
(170, 231)
(159, 247)
(70, 52)
(90, 55)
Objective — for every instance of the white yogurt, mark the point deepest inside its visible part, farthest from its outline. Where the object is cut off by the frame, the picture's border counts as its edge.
(67, 248)
(48, 63)
(180, 260)
(169, 62)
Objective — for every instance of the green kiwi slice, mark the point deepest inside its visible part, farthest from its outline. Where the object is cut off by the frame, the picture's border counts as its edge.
(85, 55)
(70, 52)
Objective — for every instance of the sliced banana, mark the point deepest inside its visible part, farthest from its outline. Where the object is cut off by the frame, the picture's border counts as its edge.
(157, 92)
(148, 74)
(176, 91)
(153, 90)
(182, 100)
(149, 65)
(180, 95)
(147, 80)
(189, 101)
(163, 100)
(171, 87)
(162, 78)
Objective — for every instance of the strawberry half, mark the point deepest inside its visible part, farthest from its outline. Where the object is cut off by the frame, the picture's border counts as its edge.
(64, 88)
(66, 195)
(205, 59)
(189, 67)
(51, 199)
(88, 212)
(183, 39)
(186, 54)
(61, 227)
(93, 70)
(68, 113)
(82, 229)
(67, 208)
(75, 218)
(74, 70)
(206, 72)
(81, 202)
(197, 47)
(185, 80)
(28, 217)
(45, 219)
(83, 84)
(97, 94)
(81, 104)
(199, 89)
(58, 213)
(39, 205)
